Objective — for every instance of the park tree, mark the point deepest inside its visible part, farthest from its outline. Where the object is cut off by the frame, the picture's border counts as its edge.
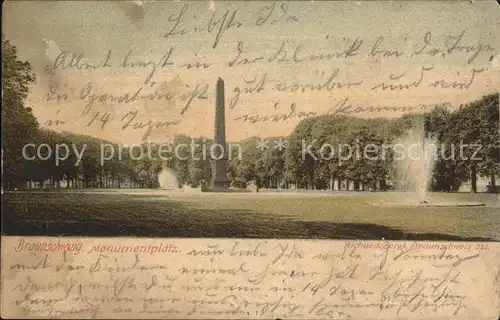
(199, 163)
(299, 166)
(243, 166)
(476, 124)
(272, 163)
(489, 138)
(448, 171)
(181, 156)
(19, 126)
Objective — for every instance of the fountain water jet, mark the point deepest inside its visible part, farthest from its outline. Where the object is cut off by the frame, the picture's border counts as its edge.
(414, 166)
(168, 179)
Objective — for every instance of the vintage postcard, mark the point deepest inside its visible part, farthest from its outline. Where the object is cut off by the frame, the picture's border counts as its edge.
(250, 160)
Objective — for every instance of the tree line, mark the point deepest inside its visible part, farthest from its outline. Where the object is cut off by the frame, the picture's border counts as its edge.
(475, 122)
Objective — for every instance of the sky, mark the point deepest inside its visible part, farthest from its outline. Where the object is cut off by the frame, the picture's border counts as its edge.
(45, 32)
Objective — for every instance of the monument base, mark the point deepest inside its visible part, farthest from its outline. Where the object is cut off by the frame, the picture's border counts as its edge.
(219, 185)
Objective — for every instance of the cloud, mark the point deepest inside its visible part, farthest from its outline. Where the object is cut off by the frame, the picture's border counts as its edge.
(133, 10)
(211, 5)
(52, 49)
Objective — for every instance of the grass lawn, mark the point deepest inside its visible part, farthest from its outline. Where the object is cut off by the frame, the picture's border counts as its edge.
(337, 215)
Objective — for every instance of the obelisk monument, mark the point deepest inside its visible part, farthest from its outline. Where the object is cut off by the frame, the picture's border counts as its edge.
(220, 181)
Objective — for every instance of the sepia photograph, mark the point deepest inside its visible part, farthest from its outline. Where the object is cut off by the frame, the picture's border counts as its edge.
(165, 121)
(253, 138)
